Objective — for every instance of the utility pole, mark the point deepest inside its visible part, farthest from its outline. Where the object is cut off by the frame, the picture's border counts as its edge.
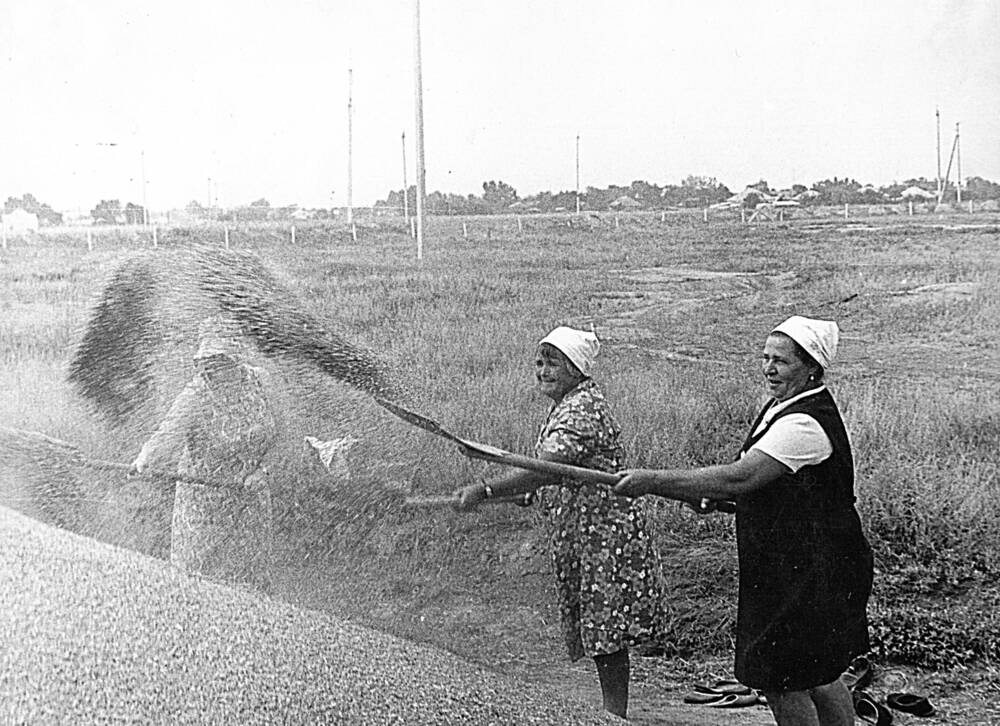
(142, 174)
(951, 158)
(406, 191)
(578, 173)
(940, 190)
(350, 148)
(419, 83)
(958, 174)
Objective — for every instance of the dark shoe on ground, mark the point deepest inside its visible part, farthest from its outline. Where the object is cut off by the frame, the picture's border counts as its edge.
(910, 703)
(871, 711)
(703, 698)
(858, 675)
(729, 686)
(734, 700)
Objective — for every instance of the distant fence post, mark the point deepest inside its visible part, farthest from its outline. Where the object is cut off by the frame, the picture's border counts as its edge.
(616, 221)
(293, 234)
(970, 206)
(911, 207)
(90, 241)
(520, 229)
(704, 215)
(226, 235)
(413, 227)
(743, 215)
(846, 213)
(465, 230)
(354, 232)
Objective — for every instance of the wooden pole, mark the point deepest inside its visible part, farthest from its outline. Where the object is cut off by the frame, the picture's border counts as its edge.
(350, 147)
(142, 174)
(419, 93)
(293, 234)
(940, 191)
(947, 174)
(958, 172)
(406, 190)
(226, 235)
(578, 173)
(90, 241)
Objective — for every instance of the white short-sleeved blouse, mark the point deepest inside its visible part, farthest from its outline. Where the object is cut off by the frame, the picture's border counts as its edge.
(795, 440)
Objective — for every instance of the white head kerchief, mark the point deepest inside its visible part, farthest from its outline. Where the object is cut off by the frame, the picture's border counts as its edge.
(819, 338)
(580, 346)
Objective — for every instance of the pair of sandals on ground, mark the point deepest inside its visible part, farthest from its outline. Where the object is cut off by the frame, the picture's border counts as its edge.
(859, 675)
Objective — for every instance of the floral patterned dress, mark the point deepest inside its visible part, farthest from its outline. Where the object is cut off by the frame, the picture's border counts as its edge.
(222, 434)
(608, 574)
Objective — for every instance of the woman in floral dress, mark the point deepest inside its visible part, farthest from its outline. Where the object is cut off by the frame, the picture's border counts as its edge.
(607, 572)
(219, 428)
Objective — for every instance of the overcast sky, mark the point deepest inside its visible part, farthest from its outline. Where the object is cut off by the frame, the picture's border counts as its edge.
(254, 95)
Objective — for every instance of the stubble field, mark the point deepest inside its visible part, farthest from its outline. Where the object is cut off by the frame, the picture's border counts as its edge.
(682, 308)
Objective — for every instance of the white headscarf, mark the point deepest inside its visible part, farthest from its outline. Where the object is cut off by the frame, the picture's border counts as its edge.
(818, 338)
(580, 346)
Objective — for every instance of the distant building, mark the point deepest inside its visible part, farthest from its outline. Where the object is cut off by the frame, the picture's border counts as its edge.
(916, 192)
(19, 222)
(624, 202)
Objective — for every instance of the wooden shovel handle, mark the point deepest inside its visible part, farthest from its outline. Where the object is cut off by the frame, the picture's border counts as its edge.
(507, 458)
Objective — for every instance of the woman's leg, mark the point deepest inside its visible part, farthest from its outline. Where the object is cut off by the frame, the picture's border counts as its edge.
(834, 704)
(827, 705)
(792, 708)
(613, 672)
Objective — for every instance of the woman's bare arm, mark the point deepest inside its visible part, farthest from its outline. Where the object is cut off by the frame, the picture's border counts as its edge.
(723, 481)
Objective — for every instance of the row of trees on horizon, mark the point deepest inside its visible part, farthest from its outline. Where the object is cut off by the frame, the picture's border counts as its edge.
(499, 197)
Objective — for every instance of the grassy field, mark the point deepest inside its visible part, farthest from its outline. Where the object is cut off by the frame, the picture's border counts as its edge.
(682, 307)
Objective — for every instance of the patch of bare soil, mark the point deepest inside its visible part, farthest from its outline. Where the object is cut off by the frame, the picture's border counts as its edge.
(649, 298)
(939, 293)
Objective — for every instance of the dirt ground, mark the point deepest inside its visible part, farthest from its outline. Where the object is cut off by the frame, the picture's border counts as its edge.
(659, 685)
(523, 642)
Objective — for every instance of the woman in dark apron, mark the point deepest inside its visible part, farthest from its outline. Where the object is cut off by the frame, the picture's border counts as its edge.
(805, 565)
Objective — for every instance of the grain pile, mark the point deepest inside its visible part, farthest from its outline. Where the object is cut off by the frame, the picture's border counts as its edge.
(96, 634)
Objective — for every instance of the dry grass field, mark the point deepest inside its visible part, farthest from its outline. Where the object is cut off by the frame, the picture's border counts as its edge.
(682, 307)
